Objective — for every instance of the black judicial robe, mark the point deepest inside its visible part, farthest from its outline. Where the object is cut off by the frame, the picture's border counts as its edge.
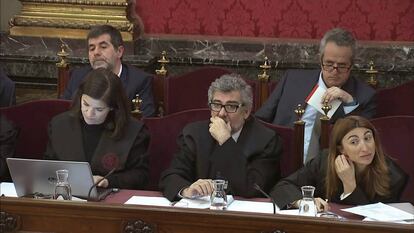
(253, 159)
(65, 143)
(313, 173)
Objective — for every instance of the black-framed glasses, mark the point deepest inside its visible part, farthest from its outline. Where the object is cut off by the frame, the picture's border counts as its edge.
(340, 68)
(229, 108)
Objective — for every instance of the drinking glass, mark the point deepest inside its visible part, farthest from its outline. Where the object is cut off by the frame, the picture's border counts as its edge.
(218, 197)
(307, 206)
(62, 188)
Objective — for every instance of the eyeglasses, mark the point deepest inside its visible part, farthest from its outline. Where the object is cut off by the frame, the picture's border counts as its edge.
(229, 108)
(340, 68)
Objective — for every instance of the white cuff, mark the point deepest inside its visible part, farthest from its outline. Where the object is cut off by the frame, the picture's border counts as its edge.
(179, 194)
(343, 196)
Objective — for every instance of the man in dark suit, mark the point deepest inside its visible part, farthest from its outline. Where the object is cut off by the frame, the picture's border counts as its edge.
(105, 49)
(7, 90)
(337, 51)
(232, 146)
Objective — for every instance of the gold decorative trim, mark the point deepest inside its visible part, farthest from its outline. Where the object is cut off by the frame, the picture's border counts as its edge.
(51, 32)
(80, 2)
(69, 23)
(74, 16)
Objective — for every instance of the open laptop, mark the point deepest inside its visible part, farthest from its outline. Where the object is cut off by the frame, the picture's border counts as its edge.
(32, 176)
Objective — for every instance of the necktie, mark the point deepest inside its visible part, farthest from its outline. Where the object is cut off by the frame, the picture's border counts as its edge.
(313, 149)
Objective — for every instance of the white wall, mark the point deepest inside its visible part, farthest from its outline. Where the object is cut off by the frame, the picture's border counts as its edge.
(8, 8)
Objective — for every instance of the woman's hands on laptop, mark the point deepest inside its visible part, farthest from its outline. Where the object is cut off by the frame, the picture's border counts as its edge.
(103, 182)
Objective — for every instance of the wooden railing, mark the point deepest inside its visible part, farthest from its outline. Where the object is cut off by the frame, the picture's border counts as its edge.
(35, 215)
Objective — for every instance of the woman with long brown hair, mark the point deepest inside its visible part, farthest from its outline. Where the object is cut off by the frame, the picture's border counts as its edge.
(354, 170)
(100, 130)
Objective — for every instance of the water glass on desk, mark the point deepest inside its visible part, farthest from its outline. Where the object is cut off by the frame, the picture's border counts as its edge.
(307, 206)
(62, 188)
(218, 197)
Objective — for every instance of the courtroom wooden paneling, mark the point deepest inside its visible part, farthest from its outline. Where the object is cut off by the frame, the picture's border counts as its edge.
(67, 216)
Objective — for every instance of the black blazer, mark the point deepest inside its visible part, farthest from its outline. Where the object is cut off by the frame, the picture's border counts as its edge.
(254, 158)
(65, 143)
(133, 80)
(313, 173)
(296, 85)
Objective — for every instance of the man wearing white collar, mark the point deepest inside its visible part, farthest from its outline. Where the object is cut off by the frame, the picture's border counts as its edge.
(105, 50)
(337, 51)
(232, 146)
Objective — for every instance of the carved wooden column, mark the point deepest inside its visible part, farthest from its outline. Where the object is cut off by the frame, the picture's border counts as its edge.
(263, 83)
(325, 127)
(299, 137)
(63, 70)
(70, 18)
(159, 84)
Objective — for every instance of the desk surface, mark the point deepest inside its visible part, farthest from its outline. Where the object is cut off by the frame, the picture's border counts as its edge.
(113, 216)
(123, 195)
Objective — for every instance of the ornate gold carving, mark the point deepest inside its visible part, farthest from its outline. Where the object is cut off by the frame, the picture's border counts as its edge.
(136, 104)
(325, 108)
(133, 17)
(163, 61)
(66, 23)
(372, 72)
(51, 16)
(137, 226)
(62, 55)
(82, 2)
(265, 66)
(8, 222)
(299, 112)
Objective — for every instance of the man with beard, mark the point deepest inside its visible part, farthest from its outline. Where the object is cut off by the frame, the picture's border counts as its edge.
(337, 52)
(105, 49)
(232, 146)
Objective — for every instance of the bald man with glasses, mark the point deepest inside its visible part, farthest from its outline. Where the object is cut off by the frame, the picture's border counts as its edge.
(337, 51)
(232, 146)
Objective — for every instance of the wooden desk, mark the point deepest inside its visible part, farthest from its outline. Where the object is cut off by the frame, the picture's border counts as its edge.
(34, 215)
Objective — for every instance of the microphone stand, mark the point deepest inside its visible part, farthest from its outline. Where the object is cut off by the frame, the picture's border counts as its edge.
(257, 187)
(99, 181)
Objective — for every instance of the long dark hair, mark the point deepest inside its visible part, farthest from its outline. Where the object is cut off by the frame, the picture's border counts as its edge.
(102, 84)
(375, 179)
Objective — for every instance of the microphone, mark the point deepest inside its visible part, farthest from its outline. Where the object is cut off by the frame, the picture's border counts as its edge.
(99, 181)
(109, 161)
(257, 187)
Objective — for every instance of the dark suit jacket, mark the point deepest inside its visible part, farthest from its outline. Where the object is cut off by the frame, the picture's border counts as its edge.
(254, 158)
(7, 91)
(8, 140)
(133, 80)
(65, 143)
(296, 85)
(313, 173)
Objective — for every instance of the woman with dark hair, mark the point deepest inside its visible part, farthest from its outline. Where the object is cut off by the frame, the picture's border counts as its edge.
(354, 170)
(99, 129)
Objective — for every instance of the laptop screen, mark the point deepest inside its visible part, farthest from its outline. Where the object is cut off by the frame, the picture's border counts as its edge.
(32, 176)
